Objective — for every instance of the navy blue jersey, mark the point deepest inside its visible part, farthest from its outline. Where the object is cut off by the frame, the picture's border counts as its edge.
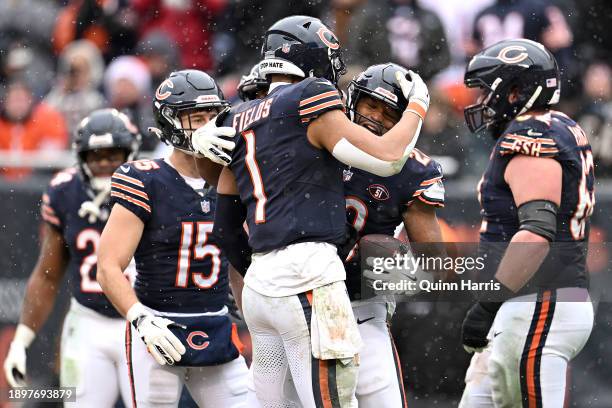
(179, 266)
(375, 205)
(60, 209)
(549, 134)
(292, 190)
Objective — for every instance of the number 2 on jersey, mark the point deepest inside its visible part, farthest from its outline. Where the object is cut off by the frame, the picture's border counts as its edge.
(258, 188)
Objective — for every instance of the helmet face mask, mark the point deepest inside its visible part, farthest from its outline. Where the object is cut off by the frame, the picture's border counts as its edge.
(517, 76)
(183, 94)
(253, 86)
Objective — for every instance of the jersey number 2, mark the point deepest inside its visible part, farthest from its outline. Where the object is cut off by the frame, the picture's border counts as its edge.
(199, 251)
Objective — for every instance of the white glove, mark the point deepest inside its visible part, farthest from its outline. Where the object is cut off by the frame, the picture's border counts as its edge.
(163, 345)
(210, 140)
(416, 92)
(15, 362)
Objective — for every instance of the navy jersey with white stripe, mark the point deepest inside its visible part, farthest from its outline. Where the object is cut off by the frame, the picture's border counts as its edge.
(554, 135)
(180, 269)
(375, 205)
(292, 190)
(60, 209)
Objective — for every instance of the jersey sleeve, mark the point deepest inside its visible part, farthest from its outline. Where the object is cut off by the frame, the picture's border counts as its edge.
(431, 187)
(128, 188)
(51, 209)
(318, 97)
(531, 138)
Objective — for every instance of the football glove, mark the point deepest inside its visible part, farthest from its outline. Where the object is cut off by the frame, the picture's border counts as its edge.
(163, 345)
(415, 91)
(476, 325)
(213, 141)
(15, 362)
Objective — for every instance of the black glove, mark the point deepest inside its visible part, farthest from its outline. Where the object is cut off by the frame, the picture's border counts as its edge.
(476, 325)
(350, 239)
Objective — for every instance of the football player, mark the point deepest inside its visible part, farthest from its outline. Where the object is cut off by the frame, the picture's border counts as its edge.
(285, 179)
(163, 217)
(377, 205)
(253, 86)
(536, 197)
(75, 208)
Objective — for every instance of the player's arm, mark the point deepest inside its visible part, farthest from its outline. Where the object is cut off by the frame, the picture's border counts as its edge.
(38, 302)
(118, 243)
(228, 229)
(422, 227)
(536, 187)
(356, 146)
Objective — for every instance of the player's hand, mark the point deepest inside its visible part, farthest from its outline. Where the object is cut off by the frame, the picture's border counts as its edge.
(163, 345)
(15, 362)
(415, 90)
(214, 142)
(475, 328)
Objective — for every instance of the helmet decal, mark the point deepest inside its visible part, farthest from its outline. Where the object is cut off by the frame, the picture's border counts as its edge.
(328, 38)
(520, 57)
(161, 96)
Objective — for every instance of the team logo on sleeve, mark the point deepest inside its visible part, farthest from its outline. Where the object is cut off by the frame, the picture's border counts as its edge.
(379, 192)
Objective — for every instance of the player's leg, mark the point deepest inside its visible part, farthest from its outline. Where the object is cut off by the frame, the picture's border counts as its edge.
(555, 338)
(379, 383)
(84, 362)
(152, 385)
(318, 383)
(270, 369)
(224, 385)
(477, 392)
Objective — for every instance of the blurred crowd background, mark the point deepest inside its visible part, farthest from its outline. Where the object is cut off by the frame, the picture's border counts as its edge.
(61, 59)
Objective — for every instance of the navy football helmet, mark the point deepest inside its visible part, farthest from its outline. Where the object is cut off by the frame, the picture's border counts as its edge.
(183, 91)
(104, 129)
(518, 65)
(378, 82)
(252, 84)
(302, 46)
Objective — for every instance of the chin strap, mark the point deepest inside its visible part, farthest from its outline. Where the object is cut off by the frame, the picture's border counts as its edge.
(91, 209)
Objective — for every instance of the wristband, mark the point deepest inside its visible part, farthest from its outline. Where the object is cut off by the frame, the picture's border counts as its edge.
(24, 335)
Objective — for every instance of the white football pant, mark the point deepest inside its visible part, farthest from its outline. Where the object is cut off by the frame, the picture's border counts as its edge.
(530, 346)
(379, 383)
(93, 357)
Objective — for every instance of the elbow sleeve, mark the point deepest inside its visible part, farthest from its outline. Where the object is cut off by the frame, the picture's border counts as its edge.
(539, 217)
(350, 155)
(229, 233)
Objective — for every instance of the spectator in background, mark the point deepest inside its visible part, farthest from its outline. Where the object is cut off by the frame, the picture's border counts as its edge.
(28, 126)
(25, 29)
(75, 93)
(110, 24)
(161, 55)
(127, 85)
(240, 29)
(391, 30)
(189, 22)
(538, 20)
(596, 115)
